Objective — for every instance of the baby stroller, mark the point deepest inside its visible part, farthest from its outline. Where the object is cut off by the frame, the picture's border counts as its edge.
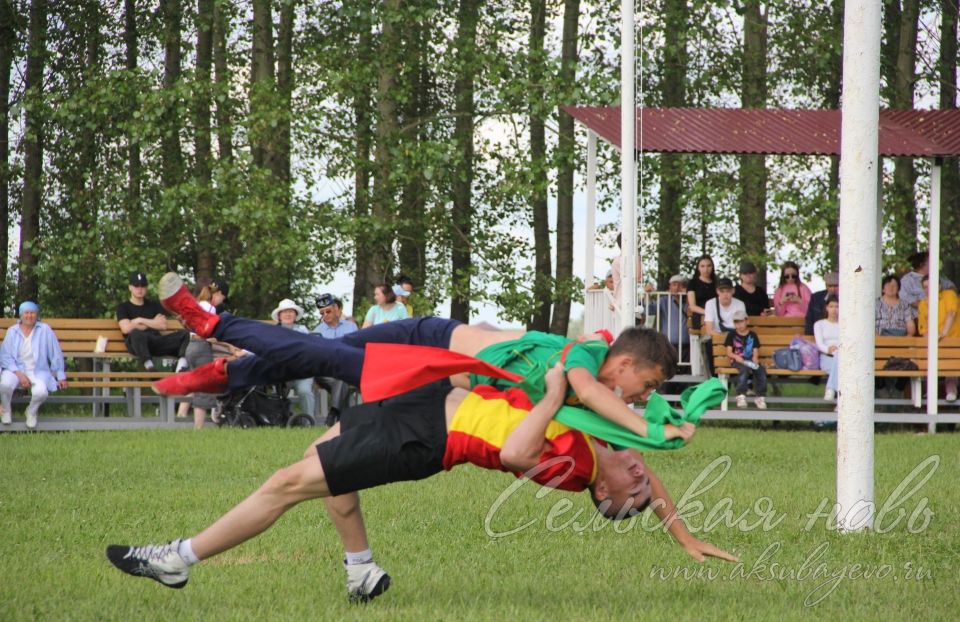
(265, 405)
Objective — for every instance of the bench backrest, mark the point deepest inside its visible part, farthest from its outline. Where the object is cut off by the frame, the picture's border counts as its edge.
(78, 336)
(913, 348)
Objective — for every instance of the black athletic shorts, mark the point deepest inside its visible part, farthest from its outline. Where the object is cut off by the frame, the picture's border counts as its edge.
(394, 440)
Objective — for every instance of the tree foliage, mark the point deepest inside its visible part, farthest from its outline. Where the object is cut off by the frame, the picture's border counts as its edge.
(274, 142)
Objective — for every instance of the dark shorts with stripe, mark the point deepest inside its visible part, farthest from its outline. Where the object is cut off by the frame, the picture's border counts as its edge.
(399, 439)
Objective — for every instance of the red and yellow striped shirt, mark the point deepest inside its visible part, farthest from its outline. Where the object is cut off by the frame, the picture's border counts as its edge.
(485, 419)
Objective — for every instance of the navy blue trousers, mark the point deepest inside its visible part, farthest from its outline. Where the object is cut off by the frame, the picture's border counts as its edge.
(283, 354)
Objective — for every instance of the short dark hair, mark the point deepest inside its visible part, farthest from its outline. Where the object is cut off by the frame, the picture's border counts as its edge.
(387, 292)
(918, 260)
(605, 508)
(403, 279)
(648, 348)
(888, 278)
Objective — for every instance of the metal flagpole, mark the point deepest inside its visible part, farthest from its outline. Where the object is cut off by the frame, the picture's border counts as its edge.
(859, 272)
(628, 112)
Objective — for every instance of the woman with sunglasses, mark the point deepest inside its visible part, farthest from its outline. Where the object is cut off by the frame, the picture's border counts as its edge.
(791, 297)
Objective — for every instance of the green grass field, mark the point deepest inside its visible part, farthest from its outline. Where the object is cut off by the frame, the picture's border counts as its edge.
(64, 497)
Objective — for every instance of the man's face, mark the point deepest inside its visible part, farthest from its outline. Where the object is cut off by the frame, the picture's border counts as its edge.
(28, 318)
(138, 291)
(833, 289)
(748, 278)
(725, 295)
(675, 287)
(609, 283)
(634, 385)
(623, 481)
(331, 314)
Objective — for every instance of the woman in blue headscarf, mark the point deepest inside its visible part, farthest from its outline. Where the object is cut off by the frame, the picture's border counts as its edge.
(31, 359)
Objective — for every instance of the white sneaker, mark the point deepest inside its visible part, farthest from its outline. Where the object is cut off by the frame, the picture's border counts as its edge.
(160, 562)
(5, 417)
(760, 403)
(182, 365)
(741, 401)
(951, 397)
(365, 581)
(31, 421)
(829, 394)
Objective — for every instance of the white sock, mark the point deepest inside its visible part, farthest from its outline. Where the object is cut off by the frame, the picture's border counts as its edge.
(360, 557)
(148, 365)
(182, 364)
(186, 552)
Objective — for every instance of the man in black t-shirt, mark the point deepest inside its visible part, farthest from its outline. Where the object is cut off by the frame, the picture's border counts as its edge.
(753, 297)
(141, 321)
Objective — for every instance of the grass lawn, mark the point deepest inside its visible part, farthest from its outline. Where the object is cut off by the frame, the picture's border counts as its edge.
(64, 497)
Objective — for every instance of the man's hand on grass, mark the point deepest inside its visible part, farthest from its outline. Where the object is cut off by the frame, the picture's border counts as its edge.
(700, 551)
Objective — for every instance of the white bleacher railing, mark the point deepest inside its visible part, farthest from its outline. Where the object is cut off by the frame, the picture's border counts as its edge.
(600, 313)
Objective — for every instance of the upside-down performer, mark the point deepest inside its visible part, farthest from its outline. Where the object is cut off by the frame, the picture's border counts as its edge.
(414, 436)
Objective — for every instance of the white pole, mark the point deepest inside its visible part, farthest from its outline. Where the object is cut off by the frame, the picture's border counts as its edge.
(933, 308)
(591, 233)
(628, 111)
(858, 262)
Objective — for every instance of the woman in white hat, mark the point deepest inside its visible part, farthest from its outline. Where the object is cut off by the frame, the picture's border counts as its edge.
(287, 314)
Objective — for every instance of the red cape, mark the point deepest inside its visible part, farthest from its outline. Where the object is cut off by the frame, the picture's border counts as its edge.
(390, 369)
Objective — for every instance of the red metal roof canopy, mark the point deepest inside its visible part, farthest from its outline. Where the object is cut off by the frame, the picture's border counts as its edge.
(911, 133)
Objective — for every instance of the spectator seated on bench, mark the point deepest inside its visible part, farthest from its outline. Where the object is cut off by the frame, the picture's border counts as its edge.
(948, 305)
(31, 359)
(141, 322)
(827, 334)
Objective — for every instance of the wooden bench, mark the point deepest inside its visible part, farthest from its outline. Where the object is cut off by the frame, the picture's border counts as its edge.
(78, 339)
(777, 335)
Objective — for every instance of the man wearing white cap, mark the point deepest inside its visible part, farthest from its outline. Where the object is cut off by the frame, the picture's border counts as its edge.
(31, 359)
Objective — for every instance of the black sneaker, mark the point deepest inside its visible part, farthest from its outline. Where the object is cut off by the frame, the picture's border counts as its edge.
(160, 562)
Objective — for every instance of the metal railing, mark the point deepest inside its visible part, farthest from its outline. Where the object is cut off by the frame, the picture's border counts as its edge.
(600, 312)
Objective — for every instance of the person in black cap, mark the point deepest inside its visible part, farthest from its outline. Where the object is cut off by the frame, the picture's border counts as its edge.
(333, 326)
(754, 299)
(141, 322)
(718, 318)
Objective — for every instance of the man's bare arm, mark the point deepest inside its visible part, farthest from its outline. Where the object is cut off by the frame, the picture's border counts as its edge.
(666, 511)
(601, 400)
(158, 322)
(521, 451)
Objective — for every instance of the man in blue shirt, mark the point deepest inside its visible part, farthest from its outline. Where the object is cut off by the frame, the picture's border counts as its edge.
(332, 326)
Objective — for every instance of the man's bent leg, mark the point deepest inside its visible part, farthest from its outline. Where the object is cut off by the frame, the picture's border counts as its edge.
(170, 563)
(310, 355)
(137, 342)
(255, 514)
(252, 370)
(422, 331)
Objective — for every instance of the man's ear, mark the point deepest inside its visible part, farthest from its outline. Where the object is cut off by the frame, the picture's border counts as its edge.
(600, 490)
